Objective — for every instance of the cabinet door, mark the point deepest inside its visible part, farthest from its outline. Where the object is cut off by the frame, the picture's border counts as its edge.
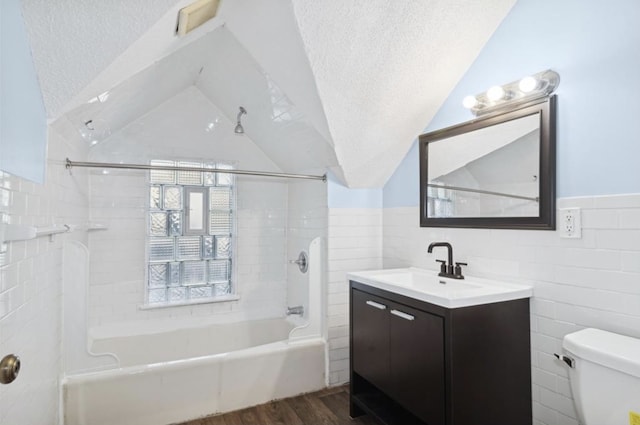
(416, 355)
(370, 338)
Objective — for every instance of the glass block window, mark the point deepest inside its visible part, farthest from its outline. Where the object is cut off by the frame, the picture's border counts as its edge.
(440, 201)
(190, 233)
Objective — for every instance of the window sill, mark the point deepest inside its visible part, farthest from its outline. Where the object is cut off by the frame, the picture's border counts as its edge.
(226, 298)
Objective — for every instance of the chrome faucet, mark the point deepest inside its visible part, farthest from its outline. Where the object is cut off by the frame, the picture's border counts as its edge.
(447, 269)
(299, 310)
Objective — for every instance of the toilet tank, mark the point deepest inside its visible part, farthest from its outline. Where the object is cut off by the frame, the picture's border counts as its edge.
(605, 377)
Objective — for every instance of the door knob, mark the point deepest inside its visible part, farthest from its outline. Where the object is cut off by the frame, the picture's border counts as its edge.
(9, 368)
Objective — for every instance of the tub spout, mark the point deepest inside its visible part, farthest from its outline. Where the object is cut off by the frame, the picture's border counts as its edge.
(295, 310)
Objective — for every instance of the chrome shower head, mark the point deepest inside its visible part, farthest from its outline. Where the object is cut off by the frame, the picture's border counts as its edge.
(239, 129)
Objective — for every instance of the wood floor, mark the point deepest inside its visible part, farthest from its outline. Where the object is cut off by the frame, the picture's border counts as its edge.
(326, 407)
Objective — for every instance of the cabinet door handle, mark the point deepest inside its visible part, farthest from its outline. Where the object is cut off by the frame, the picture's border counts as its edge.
(402, 314)
(377, 305)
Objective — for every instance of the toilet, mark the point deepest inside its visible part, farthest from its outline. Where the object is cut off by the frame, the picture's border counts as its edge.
(604, 372)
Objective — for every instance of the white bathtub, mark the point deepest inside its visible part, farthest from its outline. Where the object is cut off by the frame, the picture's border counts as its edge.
(175, 376)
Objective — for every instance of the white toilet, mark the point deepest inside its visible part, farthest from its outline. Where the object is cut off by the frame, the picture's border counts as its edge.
(605, 376)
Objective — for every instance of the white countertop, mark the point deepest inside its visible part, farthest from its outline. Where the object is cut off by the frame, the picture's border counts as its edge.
(426, 285)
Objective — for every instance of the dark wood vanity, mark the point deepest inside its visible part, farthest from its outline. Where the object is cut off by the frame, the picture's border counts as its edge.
(413, 362)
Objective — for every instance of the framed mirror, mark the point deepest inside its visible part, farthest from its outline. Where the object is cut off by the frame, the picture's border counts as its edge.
(491, 172)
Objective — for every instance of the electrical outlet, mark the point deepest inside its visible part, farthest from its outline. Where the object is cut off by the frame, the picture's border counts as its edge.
(570, 225)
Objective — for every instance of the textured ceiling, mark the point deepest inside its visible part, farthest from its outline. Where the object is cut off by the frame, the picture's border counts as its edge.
(73, 41)
(157, 42)
(384, 67)
(360, 78)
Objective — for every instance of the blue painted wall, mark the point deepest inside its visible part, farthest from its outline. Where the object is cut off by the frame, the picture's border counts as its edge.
(23, 122)
(595, 47)
(339, 196)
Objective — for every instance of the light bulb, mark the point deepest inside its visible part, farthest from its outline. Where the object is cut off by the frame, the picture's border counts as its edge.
(469, 102)
(528, 84)
(495, 93)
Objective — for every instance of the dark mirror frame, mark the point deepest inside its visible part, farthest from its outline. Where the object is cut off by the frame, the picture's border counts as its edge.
(547, 181)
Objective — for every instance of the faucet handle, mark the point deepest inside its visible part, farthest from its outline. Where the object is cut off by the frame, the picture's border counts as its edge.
(458, 269)
(443, 266)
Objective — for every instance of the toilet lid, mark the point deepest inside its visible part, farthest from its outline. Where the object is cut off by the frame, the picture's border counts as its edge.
(605, 348)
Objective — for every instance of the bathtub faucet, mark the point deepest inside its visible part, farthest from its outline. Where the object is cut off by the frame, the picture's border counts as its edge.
(295, 310)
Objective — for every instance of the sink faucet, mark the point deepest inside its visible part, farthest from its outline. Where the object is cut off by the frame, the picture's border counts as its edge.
(447, 268)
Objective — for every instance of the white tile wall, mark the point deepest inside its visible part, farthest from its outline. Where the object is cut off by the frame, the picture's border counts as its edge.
(186, 126)
(30, 285)
(307, 219)
(118, 256)
(588, 282)
(355, 243)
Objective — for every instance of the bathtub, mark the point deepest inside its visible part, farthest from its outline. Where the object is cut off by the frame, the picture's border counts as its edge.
(183, 374)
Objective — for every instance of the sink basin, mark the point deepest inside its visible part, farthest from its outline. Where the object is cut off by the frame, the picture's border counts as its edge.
(426, 285)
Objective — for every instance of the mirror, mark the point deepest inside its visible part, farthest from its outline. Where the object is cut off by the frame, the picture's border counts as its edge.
(491, 172)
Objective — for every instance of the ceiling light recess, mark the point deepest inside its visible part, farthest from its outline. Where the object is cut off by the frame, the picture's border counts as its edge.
(515, 93)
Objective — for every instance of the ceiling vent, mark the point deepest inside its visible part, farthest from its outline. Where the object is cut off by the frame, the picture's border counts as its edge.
(196, 14)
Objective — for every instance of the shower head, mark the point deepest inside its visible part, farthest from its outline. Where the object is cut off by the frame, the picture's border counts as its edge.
(239, 129)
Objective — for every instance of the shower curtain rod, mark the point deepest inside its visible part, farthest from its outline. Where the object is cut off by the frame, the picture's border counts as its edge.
(70, 164)
(485, 192)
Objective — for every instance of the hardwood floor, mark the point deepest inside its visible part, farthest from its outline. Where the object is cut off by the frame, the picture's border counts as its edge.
(326, 407)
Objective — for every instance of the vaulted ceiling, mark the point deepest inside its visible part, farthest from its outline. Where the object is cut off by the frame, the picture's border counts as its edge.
(327, 83)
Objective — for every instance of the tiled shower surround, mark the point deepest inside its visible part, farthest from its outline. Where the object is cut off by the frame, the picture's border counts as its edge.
(31, 284)
(186, 127)
(307, 219)
(118, 255)
(31, 272)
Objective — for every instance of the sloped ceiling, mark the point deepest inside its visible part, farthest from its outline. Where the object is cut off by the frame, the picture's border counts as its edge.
(384, 67)
(361, 78)
(73, 41)
(220, 68)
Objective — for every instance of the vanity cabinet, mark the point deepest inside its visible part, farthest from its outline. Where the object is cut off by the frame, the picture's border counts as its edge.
(371, 346)
(413, 362)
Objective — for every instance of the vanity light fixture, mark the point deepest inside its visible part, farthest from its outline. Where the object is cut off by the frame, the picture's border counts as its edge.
(515, 93)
